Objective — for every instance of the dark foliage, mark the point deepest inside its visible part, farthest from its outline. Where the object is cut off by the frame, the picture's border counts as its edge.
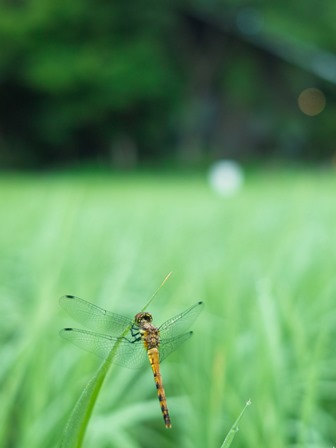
(119, 83)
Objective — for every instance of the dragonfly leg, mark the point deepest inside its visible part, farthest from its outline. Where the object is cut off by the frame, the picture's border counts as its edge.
(135, 333)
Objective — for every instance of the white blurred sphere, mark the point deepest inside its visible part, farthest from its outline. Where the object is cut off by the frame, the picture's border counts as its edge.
(226, 177)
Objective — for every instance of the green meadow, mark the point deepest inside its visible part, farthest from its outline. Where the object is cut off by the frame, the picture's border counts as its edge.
(262, 260)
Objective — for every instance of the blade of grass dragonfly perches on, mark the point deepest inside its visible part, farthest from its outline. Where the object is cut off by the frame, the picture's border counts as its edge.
(77, 423)
(234, 429)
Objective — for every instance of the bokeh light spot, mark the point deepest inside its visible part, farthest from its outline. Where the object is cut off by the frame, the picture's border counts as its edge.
(226, 177)
(311, 101)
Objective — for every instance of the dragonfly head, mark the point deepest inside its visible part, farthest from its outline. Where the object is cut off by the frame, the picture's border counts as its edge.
(142, 318)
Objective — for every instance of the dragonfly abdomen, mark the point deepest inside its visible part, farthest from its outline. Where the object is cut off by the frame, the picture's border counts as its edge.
(153, 355)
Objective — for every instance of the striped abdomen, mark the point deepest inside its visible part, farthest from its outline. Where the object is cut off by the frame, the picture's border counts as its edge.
(153, 355)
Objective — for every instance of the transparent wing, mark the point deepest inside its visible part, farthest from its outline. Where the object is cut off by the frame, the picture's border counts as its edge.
(167, 346)
(128, 354)
(94, 317)
(180, 323)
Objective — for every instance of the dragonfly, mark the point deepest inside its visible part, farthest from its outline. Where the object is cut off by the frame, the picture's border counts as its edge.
(135, 340)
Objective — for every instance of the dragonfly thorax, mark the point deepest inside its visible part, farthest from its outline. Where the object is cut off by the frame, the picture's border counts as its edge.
(150, 336)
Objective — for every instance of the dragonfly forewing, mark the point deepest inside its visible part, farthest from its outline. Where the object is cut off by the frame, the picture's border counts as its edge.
(180, 323)
(129, 353)
(94, 317)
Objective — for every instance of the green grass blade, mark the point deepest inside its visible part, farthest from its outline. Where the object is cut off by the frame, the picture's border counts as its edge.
(155, 293)
(75, 428)
(234, 429)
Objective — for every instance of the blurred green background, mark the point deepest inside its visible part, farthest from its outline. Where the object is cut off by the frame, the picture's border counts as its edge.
(111, 114)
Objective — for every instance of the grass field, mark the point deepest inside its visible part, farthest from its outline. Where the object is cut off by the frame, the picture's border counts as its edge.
(263, 261)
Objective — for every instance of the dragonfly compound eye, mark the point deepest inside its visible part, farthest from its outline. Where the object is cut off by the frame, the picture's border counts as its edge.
(143, 317)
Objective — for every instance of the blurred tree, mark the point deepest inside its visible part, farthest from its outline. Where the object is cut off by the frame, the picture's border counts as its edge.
(247, 102)
(77, 75)
(106, 81)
